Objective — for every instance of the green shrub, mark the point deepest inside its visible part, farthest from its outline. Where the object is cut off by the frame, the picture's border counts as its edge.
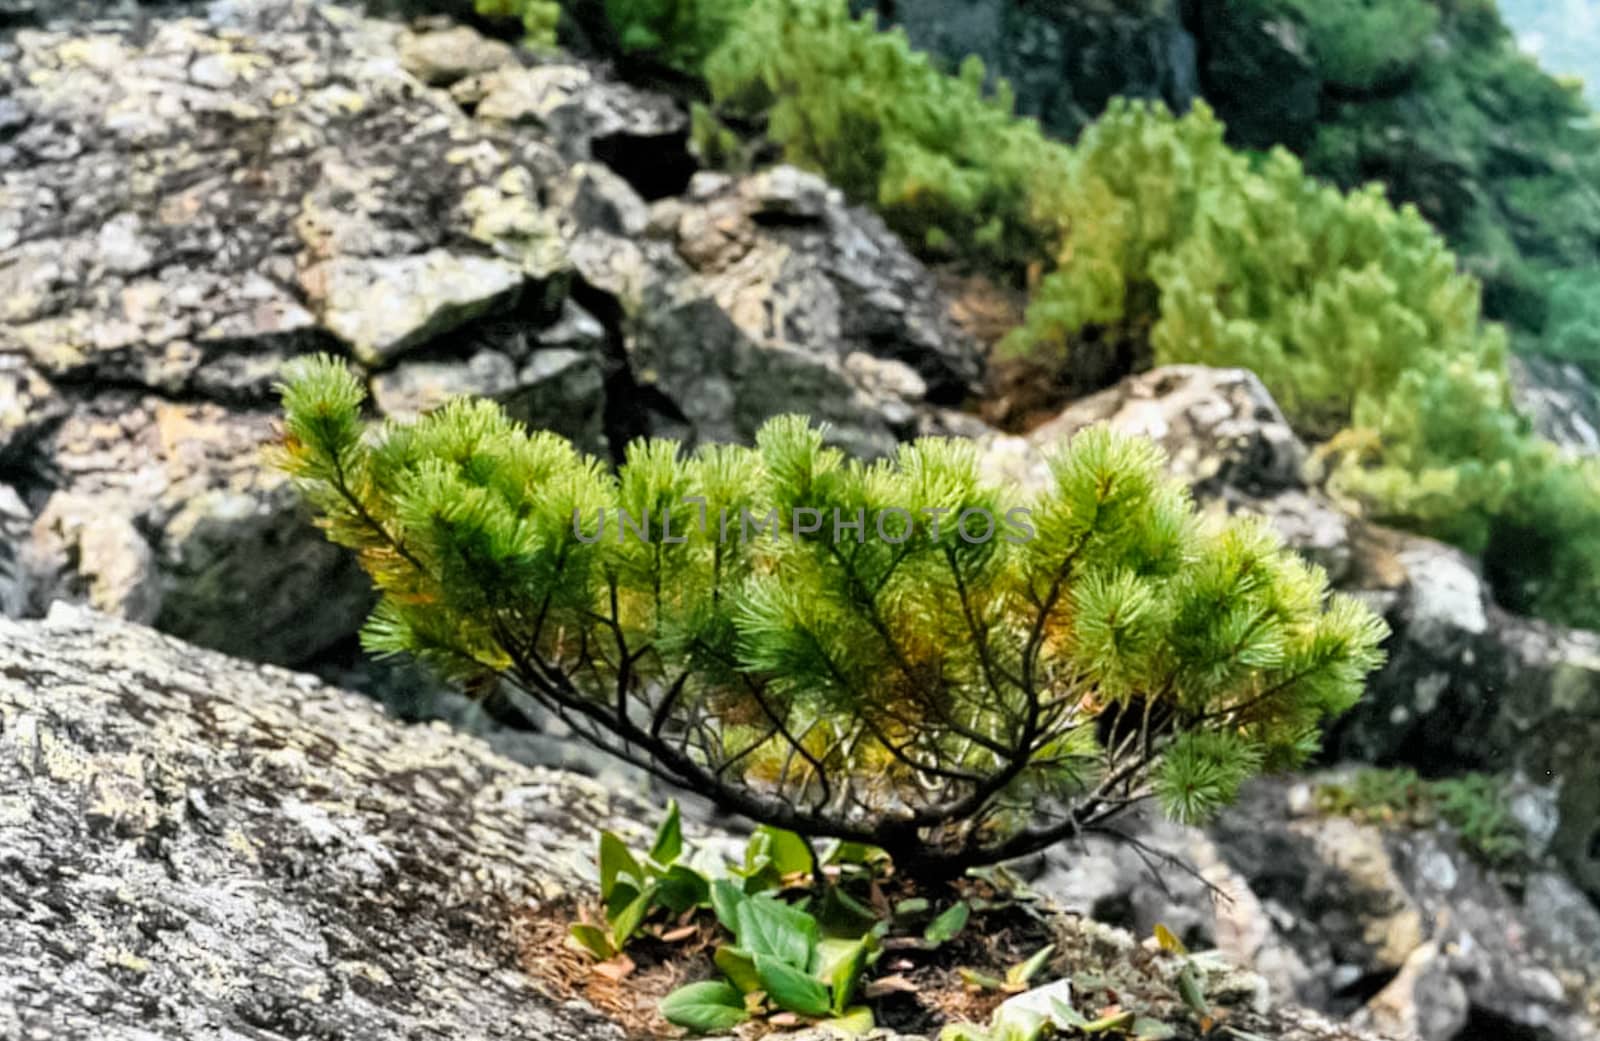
(950, 167)
(680, 33)
(954, 698)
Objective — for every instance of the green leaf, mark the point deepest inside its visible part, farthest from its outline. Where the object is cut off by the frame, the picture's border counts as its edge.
(1147, 1029)
(844, 915)
(682, 888)
(787, 851)
(949, 924)
(625, 924)
(1190, 990)
(777, 930)
(1065, 1016)
(1106, 1024)
(593, 939)
(669, 837)
(725, 900)
(854, 853)
(913, 906)
(738, 966)
(616, 862)
(790, 988)
(845, 974)
(623, 893)
(982, 980)
(1019, 975)
(704, 1007)
(855, 1022)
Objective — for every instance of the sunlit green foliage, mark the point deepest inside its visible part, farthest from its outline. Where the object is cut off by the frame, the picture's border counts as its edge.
(539, 18)
(953, 691)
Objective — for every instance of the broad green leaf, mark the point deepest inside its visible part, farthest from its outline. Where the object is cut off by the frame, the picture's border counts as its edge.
(845, 973)
(790, 988)
(1019, 975)
(593, 939)
(949, 924)
(704, 1007)
(669, 837)
(631, 917)
(680, 889)
(725, 900)
(787, 851)
(771, 928)
(615, 861)
(854, 1022)
(738, 966)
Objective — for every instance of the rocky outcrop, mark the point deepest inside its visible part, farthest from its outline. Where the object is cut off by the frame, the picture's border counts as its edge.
(1466, 685)
(202, 849)
(191, 201)
(1398, 928)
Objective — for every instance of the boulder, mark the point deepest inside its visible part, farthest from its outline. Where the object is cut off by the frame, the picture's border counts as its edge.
(1398, 928)
(201, 849)
(189, 202)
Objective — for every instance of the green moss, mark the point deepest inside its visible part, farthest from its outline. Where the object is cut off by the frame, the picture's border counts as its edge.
(1475, 806)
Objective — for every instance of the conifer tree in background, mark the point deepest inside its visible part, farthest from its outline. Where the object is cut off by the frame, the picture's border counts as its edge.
(955, 694)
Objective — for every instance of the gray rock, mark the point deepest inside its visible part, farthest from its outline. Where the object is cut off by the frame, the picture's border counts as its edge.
(443, 57)
(1562, 401)
(1402, 930)
(164, 513)
(385, 306)
(415, 387)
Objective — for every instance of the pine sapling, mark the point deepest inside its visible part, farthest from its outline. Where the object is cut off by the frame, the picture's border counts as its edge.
(897, 653)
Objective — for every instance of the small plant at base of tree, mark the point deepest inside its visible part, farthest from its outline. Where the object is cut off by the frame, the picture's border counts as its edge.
(957, 703)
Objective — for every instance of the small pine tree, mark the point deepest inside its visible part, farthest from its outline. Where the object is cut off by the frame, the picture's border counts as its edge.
(923, 667)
